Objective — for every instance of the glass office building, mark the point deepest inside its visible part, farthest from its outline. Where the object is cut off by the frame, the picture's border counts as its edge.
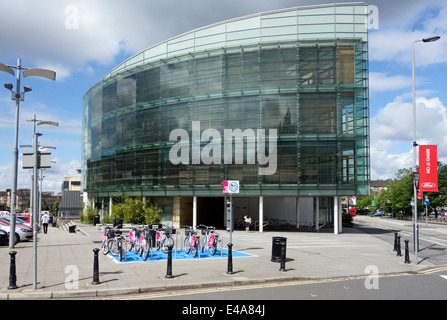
(276, 100)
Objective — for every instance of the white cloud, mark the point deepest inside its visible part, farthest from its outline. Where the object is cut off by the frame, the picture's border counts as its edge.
(52, 181)
(392, 134)
(380, 81)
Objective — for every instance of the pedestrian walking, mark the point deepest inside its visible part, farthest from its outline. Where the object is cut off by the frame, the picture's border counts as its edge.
(45, 219)
(247, 222)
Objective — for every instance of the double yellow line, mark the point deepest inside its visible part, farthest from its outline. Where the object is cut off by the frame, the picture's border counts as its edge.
(433, 270)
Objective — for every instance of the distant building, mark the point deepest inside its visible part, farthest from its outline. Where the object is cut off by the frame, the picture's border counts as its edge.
(70, 205)
(71, 184)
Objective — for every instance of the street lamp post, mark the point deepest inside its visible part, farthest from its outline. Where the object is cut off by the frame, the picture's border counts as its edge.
(36, 210)
(17, 96)
(415, 169)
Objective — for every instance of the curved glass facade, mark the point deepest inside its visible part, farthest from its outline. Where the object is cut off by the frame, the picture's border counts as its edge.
(278, 101)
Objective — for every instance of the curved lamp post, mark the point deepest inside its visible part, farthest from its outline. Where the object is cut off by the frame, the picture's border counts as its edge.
(17, 96)
(415, 169)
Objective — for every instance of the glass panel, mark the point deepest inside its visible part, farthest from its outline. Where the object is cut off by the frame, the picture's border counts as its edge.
(250, 23)
(318, 113)
(279, 22)
(345, 65)
(316, 11)
(316, 20)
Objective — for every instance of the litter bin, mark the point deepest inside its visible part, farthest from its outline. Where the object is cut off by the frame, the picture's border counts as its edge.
(118, 223)
(276, 248)
(72, 229)
(95, 220)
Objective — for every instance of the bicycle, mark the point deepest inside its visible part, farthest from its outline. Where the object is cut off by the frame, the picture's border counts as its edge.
(147, 237)
(188, 236)
(194, 245)
(165, 239)
(135, 240)
(108, 235)
(118, 245)
(210, 239)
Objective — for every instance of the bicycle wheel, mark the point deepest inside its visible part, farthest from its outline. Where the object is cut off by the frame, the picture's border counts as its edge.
(204, 243)
(187, 244)
(112, 246)
(213, 248)
(105, 247)
(136, 246)
(195, 249)
(168, 241)
(145, 250)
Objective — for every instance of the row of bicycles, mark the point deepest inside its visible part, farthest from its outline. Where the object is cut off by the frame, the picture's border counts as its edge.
(142, 240)
(196, 242)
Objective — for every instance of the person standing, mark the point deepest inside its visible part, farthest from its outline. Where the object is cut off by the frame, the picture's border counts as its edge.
(247, 222)
(45, 219)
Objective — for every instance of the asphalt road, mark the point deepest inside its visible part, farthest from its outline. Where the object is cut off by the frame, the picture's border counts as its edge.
(432, 237)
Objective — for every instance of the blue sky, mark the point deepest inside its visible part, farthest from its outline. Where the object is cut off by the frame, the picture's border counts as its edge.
(83, 40)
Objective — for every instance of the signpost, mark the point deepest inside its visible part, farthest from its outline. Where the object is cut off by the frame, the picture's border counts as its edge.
(230, 186)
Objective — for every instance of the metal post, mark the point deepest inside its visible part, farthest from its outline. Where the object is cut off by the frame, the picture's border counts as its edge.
(283, 256)
(15, 159)
(399, 253)
(407, 254)
(231, 219)
(12, 271)
(395, 241)
(95, 267)
(169, 267)
(230, 258)
(35, 211)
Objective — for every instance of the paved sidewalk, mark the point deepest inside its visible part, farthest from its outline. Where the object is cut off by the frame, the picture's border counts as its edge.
(65, 263)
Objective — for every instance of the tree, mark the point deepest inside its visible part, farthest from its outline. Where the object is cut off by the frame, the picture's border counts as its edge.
(401, 192)
(135, 211)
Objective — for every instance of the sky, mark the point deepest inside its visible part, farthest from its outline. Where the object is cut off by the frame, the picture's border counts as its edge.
(82, 40)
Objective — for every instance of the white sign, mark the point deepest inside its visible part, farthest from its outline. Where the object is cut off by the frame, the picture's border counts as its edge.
(43, 160)
(230, 186)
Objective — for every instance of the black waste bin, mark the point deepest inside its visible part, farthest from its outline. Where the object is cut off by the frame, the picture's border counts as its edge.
(72, 229)
(118, 223)
(95, 220)
(277, 242)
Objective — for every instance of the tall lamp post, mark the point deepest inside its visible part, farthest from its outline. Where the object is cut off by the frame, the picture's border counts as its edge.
(17, 96)
(415, 169)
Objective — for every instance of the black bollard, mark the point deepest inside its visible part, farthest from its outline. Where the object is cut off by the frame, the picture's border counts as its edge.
(399, 253)
(230, 259)
(407, 252)
(395, 241)
(169, 268)
(283, 256)
(12, 271)
(95, 267)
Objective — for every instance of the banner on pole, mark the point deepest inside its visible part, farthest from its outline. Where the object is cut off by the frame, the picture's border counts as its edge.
(428, 168)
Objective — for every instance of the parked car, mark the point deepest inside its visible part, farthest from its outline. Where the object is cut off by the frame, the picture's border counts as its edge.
(378, 214)
(22, 232)
(27, 219)
(4, 237)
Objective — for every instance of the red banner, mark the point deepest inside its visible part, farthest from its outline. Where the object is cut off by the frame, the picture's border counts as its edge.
(428, 168)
